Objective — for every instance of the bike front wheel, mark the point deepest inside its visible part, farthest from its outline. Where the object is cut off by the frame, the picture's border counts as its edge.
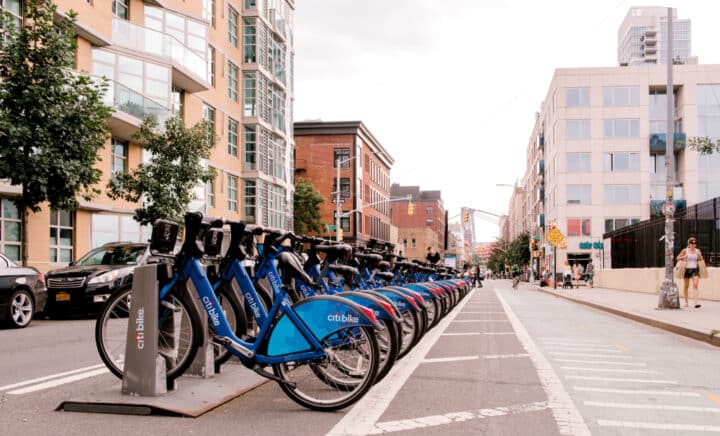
(178, 332)
(349, 370)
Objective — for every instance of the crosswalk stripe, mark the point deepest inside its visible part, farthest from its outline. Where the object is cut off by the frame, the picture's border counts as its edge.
(627, 380)
(656, 426)
(600, 362)
(604, 356)
(636, 392)
(622, 370)
(652, 407)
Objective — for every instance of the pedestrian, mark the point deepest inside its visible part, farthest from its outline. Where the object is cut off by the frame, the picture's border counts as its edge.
(694, 263)
(590, 271)
(576, 272)
(478, 276)
(432, 256)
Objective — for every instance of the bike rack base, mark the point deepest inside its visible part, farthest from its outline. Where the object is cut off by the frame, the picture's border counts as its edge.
(194, 397)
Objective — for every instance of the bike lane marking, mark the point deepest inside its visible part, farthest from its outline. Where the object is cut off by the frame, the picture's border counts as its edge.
(49, 377)
(652, 426)
(60, 381)
(363, 416)
(566, 415)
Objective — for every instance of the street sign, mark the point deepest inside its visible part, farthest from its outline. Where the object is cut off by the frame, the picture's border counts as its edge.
(555, 236)
(342, 200)
(536, 236)
(330, 226)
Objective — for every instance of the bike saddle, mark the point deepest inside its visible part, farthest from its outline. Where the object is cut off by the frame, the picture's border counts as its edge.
(339, 250)
(384, 264)
(385, 275)
(290, 265)
(369, 257)
(343, 269)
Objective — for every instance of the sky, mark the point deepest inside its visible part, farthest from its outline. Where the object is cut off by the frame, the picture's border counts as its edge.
(450, 88)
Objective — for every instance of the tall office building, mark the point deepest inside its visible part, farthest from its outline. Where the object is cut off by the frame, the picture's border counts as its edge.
(642, 37)
(230, 62)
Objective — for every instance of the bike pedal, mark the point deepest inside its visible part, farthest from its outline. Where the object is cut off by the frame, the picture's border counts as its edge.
(260, 371)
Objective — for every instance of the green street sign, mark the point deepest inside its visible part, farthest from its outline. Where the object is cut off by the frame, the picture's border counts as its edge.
(331, 226)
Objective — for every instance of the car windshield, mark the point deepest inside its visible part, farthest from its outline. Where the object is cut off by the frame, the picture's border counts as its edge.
(117, 255)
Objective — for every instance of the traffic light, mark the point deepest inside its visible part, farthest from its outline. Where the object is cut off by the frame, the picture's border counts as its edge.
(466, 217)
(411, 208)
(533, 244)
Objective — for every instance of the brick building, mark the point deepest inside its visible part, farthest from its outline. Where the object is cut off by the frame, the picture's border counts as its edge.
(421, 225)
(364, 176)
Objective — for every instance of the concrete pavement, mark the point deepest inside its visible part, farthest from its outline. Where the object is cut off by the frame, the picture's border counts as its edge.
(702, 323)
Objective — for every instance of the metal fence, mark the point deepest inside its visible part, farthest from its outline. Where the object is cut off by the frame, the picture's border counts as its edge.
(640, 245)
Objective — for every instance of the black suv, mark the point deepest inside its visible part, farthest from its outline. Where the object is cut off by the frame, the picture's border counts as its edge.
(83, 287)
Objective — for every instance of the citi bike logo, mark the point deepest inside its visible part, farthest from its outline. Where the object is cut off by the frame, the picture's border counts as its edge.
(253, 304)
(344, 317)
(140, 329)
(274, 281)
(305, 290)
(212, 311)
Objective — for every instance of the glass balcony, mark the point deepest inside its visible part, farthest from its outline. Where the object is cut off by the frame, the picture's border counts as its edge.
(657, 142)
(656, 207)
(126, 102)
(541, 167)
(189, 68)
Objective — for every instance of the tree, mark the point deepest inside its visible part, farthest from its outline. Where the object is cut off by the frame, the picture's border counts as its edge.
(498, 256)
(307, 207)
(519, 251)
(52, 120)
(704, 145)
(165, 184)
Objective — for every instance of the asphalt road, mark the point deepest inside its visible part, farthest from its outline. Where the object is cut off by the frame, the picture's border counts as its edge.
(503, 363)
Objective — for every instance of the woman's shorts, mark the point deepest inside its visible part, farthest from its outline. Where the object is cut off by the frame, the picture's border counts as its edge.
(689, 272)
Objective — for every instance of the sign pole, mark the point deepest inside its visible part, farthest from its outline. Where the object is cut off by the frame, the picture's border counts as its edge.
(554, 266)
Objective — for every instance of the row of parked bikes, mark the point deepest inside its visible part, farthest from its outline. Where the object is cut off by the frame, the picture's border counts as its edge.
(325, 320)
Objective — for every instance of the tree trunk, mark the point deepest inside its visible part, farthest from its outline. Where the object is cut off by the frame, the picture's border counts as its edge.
(23, 228)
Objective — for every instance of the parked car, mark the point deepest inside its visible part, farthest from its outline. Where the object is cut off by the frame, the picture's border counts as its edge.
(83, 287)
(22, 293)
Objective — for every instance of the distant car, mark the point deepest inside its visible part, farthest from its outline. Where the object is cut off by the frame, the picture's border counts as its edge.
(22, 293)
(83, 287)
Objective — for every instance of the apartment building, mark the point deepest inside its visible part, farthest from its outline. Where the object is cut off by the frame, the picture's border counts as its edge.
(420, 220)
(227, 61)
(642, 37)
(364, 182)
(596, 156)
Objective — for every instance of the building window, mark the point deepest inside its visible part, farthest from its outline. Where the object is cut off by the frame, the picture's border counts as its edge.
(250, 4)
(118, 158)
(578, 162)
(209, 11)
(232, 193)
(429, 222)
(622, 194)
(61, 236)
(578, 227)
(249, 40)
(112, 228)
(622, 128)
(429, 210)
(578, 194)
(621, 96)
(211, 65)
(343, 155)
(405, 243)
(250, 147)
(413, 243)
(344, 187)
(249, 95)
(622, 161)
(232, 137)
(618, 223)
(178, 100)
(209, 116)
(250, 200)
(14, 8)
(232, 81)
(232, 26)
(577, 129)
(577, 97)
(121, 9)
(10, 229)
(211, 192)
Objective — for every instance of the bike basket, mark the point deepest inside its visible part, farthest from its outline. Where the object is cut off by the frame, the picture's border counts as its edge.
(164, 236)
(213, 242)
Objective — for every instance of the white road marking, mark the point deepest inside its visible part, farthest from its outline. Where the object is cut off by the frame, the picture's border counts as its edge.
(361, 419)
(637, 392)
(556, 338)
(578, 344)
(48, 377)
(566, 415)
(504, 356)
(600, 362)
(604, 356)
(581, 349)
(652, 407)
(58, 382)
(478, 334)
(481, 320)
(465, 311)
(622, 370)
(654, 426)
(450, 359)
(628, 380)
(498, 333)
(449, 418)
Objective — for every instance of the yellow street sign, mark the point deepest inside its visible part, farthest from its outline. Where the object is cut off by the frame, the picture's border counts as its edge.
(555, 236)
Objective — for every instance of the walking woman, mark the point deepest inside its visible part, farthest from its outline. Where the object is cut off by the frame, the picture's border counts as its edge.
(692, 257)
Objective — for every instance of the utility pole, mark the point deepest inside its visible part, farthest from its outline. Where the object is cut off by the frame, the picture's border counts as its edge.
(669, 298)
(338, 206)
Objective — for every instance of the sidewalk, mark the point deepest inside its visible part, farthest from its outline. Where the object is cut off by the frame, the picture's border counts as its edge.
(702, 324)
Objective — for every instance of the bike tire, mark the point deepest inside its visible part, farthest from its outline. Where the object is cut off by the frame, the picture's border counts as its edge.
(336, 389)
(410, 331)
(235, 315)
(113, 322)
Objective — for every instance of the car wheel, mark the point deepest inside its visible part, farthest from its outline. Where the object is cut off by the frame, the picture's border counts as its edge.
(21, 309)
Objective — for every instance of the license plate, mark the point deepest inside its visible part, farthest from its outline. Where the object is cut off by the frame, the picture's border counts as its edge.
(62, 296)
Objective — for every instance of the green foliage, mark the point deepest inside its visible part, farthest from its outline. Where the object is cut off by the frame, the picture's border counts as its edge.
(306, 204)
(519, 250)
(52, 121)
(165, 183)
(496, 261)
(704, 145)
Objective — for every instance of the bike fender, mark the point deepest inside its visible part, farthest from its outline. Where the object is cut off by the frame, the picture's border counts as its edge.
(400, 300)
(426, 292)
(374, 303)
(323, 315)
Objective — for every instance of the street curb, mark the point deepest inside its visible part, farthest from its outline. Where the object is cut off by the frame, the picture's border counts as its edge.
(712, 338)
